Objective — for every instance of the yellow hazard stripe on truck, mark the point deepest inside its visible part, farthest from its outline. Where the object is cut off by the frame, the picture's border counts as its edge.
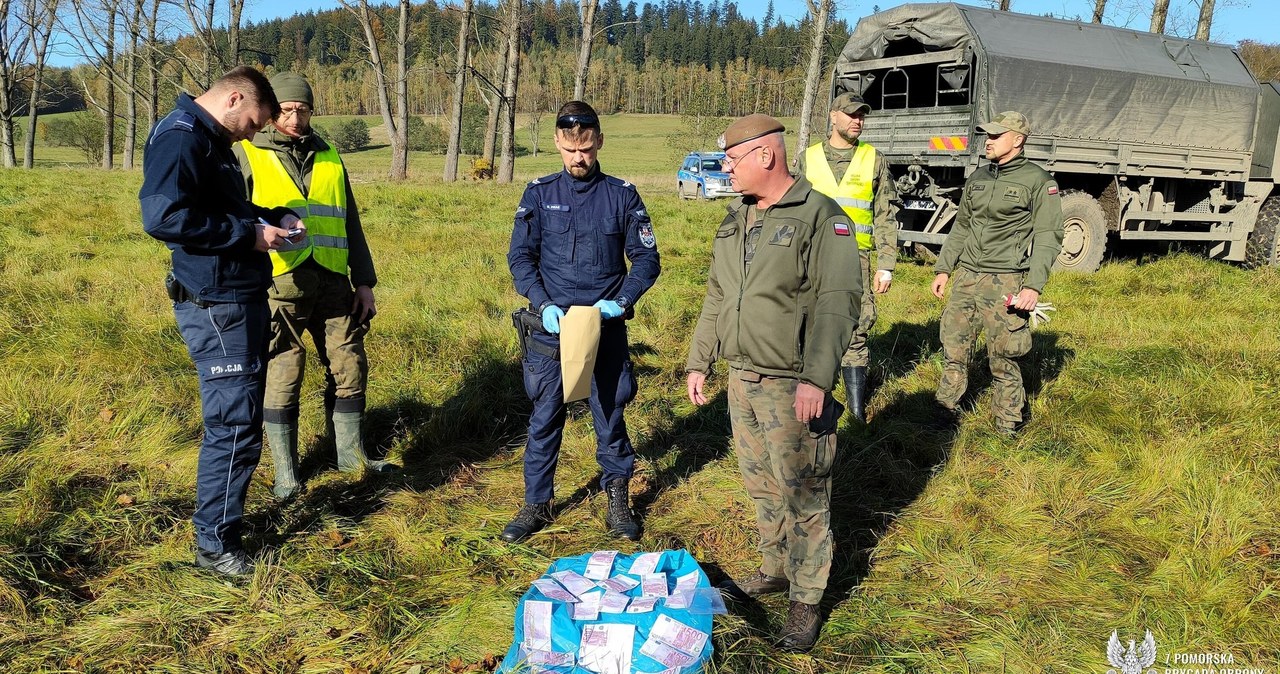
(949, 143)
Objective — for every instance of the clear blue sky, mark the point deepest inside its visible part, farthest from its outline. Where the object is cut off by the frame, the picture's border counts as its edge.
(1236, 20)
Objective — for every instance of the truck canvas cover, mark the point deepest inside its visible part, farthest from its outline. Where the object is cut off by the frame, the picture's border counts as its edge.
(1080, 80)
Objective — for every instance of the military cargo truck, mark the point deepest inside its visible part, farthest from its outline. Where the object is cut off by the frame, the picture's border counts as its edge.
(1150, 137)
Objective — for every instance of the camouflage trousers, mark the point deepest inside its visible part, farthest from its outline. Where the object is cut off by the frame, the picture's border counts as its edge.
(311, 299)
(977, 303)
(857, 355)
(786, 468)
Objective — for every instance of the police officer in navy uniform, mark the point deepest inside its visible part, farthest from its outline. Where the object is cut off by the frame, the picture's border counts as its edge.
(193, 199)
(574, 231)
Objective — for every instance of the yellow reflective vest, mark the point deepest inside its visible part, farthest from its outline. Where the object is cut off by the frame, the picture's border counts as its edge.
(854, 193)
(324, 208)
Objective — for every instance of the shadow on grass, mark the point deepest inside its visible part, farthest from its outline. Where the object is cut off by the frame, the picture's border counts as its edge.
(696, 439)
(885, 465)
(486, 415)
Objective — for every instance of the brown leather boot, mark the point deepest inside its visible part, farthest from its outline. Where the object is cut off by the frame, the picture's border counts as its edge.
(758, 584)
(801, 631)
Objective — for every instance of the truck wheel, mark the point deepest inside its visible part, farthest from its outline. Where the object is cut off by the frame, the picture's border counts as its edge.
(702, 193)
(1263, 247)
(680, 189)
(1084, 233)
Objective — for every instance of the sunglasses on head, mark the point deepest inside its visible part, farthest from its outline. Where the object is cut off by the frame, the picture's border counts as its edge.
(570, 121)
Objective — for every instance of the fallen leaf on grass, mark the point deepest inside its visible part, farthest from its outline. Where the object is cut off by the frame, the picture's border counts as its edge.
(106, 414)
(124, 500)
(333, 633)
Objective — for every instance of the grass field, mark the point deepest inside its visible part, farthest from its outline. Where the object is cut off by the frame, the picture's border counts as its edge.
(1142, 495)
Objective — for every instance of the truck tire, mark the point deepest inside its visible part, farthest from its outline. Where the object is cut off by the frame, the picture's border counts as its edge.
(1084, 239)
(680, 189)
(702, 193)
(1263, 247)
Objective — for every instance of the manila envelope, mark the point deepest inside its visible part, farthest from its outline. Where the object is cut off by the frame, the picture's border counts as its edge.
(579, 340)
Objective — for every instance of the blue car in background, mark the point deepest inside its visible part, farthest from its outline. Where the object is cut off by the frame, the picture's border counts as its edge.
(701, 176)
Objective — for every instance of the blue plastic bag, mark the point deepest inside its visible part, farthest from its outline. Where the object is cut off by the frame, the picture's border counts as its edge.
(566, 633)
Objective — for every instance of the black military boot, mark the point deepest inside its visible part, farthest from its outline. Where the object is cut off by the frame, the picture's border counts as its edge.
(619, 519)
(759, 583)
(227, 563)
(801, 631)
(855, 387)
(531, 518)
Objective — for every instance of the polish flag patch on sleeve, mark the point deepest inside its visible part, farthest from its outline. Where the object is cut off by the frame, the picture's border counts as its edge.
(1053, 189)
(842, 228)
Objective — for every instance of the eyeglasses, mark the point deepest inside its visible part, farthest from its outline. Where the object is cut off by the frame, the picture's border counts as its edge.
(286, 113)
(570, 121)
(730, 162)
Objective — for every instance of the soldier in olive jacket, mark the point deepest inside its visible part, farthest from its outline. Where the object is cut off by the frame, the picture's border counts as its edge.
(1003, 244)
(781, 305)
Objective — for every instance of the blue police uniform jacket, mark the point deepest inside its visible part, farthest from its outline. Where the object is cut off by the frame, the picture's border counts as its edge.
(570, 239)
(193, 199)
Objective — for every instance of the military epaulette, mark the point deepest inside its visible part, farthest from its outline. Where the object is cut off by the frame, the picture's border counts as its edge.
(619, 182)
(545, 179)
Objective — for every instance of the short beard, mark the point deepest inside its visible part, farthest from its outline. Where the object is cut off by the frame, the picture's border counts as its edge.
(579, 172)
(850, 139)
(230, 121)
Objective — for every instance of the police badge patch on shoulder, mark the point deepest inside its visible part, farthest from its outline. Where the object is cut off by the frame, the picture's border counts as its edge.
(646, 235)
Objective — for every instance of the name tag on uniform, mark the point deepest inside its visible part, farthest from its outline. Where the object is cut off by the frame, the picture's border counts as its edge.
(563, 208)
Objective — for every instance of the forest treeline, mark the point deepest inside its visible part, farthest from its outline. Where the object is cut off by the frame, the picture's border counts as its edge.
(669, 58)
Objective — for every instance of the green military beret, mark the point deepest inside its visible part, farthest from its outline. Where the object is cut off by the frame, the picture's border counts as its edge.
(749, 128)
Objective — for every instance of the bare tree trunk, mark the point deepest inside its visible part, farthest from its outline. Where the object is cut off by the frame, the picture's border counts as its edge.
(234, 9)
(459, 95)
(1099, 7)
(819, 12)
(209, 46)
(400, 143)
(1159, 14)
(506, 172)
(109, 104)
(153, 65)
(40, 52)
(131, 78)
(1206, 20)
(1004, 5)
(494, 102)
(396, 133)
(12, 50)
(587, 18)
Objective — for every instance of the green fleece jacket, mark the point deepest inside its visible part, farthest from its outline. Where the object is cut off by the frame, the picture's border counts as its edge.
(793, 313)
(1010, 220)
(298, 157)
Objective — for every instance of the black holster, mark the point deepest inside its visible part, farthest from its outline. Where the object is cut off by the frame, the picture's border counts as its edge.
(179, 293)
(527, 323)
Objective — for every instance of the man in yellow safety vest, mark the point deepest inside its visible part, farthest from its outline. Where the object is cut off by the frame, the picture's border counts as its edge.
(323, 285)
(857, 177)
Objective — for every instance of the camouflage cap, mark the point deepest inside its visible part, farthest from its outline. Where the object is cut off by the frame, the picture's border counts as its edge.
(850, 104)
(1007, 121)
(749, 128)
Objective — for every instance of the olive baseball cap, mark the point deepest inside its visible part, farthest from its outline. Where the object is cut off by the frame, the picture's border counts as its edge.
(1007, 121)
(749, 128)
(850, 104)
(292, 87)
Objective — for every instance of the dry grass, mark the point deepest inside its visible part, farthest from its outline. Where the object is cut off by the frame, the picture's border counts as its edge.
(1141, 496)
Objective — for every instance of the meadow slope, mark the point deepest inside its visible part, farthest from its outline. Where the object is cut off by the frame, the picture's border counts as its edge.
(1142, 495)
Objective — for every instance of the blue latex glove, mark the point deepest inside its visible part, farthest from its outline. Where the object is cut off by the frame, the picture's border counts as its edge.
(551, 319)
(608, 309)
